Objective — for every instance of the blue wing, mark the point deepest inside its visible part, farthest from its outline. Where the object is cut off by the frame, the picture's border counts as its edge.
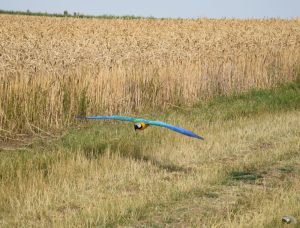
(122, 118)
(151, 122)
(174, 128)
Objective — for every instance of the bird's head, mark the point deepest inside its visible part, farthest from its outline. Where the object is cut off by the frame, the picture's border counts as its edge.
(137, 126)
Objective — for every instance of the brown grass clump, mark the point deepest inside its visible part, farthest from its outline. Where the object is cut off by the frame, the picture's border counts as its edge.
(52, 69)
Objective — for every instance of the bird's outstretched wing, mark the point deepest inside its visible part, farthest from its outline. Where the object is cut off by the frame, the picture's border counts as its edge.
(151, 122)
(174, 128)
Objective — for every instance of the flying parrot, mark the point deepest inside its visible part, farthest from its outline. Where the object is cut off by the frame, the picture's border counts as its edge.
(141, 124)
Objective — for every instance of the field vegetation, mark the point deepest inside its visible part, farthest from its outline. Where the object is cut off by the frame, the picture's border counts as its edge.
(52, 69)
(244, 174)
(234, 82)
(67, 14)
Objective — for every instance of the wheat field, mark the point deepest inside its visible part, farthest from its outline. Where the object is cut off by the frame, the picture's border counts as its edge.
(52, 69)
(234, 82)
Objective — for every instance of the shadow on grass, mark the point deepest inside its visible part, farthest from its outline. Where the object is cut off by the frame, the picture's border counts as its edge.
(167, 166)
(94, 142)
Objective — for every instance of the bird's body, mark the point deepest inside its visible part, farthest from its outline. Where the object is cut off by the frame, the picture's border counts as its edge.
(141, 124)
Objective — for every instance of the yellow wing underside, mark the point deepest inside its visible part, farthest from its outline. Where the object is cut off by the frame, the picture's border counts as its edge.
(144, 126)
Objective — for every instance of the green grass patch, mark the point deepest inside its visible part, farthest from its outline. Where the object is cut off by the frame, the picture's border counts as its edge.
(283, 98)
(286, 169)
(248, 176)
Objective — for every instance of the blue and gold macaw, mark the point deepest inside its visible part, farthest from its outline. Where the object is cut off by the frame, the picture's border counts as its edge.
(141, 124)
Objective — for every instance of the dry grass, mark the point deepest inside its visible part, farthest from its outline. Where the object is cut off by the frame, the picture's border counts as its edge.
(52, 69)
(158, 177)
(245, 174)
